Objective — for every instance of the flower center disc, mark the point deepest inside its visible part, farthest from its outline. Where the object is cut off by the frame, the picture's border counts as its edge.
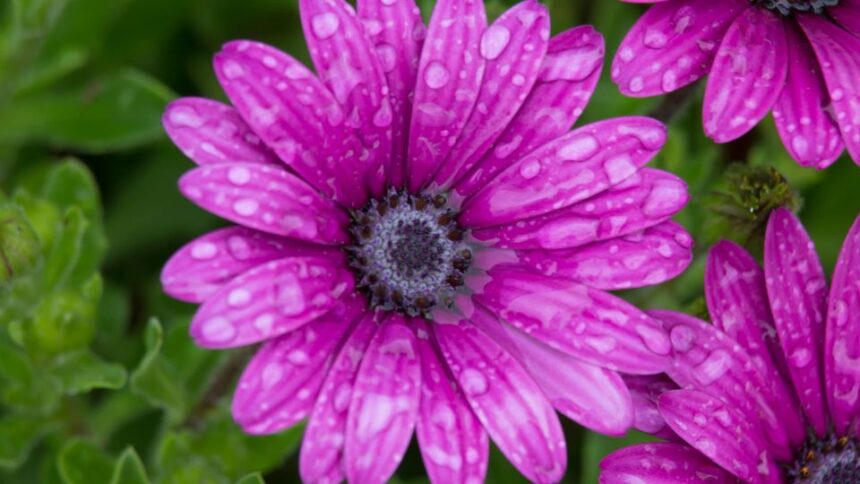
(408, 253)
(788, 7)
(826, 462)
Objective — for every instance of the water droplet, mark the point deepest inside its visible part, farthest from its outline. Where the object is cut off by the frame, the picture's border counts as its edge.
(298, 357)
(238, 297)
(271, 374)
(387, 57)
(670, 80)
(579, 148)
(204, 250)
(655, 39)
(619, 168)
(636, 84)
(655, 338)
(342, 397)
(246, 207)
(239, 175)
(264, 323)
(713, 367)
(494, 41)
(530, 169)
(232, 69)
(382, 118)
(473, 381)
(800, 357)
(682, 338)
(324, 25)
(436, 75)
(800, 146)
(837, 95)
(626, 54)
(601, 344)
(574, 64)
(218, 330)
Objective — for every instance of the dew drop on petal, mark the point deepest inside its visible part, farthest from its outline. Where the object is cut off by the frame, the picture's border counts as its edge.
(218, 329)
(436, 75)
(324, 25)
(579, 148)
(246, 207)
(494, 41)
(239, 175)
(204, 250)
(474, 382)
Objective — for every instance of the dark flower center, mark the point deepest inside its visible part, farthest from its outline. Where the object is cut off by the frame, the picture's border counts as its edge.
(829, 461)
(408, 252)
(788, 7)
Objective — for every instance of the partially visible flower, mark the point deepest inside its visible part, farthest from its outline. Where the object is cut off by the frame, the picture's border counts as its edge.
(422, 244)
(771, 391)
(798, 58)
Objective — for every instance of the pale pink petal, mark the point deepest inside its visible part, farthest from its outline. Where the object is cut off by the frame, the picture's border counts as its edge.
(645, 258)
(397, 33)
(842, 345)
(280, 384)
(384, 403)
(321, 456)
(748, 75)
(506, 400)
(453, 443)
(296, 116)
(672, 45)
(514, 47)
(567, 78)
(797, 290)
(661, 463)
(847, 14)
(347, 63)
(570, 169)
(807, 130)
(211, 132)
(725, 434)
(266, 198)
(645, 390)
(587, 323)
(837, 50)
(271, 300)
(647, 198)
(449, 79)
(208, 262)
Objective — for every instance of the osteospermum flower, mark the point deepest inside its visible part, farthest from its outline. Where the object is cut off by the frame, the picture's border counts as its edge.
(769, 392)
(421, 245)
(798, 58)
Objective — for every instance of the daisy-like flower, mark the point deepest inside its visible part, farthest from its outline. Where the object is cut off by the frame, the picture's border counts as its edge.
(421, 243)
(798, 58)
(769, 391)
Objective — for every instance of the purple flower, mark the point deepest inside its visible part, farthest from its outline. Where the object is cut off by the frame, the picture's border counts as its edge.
(769, 392)
(796, 57)
(421, 243)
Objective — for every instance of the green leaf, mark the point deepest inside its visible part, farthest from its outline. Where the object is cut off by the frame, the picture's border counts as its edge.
(64, 321)
(21, 387)
(179, 464)
(18, 435)
(254, 478)
(84, 371)
(19, 245)
(82, 462)
(64, 254)
(70, 183)
(129, 469)
(156, 380)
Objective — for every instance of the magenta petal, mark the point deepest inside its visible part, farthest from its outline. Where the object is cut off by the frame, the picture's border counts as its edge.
(266, 198)
(321, 456)
(384, 403)
(568, 76)
(449, 79)
(645, 390)
(280, 384)
(747, 76)
(837, 50)
(672, 45)
(808, 131)
(661, 463)
(201, 267)
(847, 14)
(211, 132)
(587, 323)
(397, 33)
(347, 63)
(798, 297)
(643, 200)
(453, 443)
(514, 47)
(570, 169)
(842, 345)
(270, 300)
(722, 432)
(506, 400)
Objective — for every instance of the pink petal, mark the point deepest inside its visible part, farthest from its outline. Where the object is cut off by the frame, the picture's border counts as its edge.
(201, 267)
(672, 45)
(748, 75)
(397, 34)
(570, 169)
(722, 432)
(296, 116)
(643, 200)
(568, 76)
(837, 50)
(266, 198)
(847, 14)
(506, 400)
(842, 345)
(706, 359)
(384, 403)
(280, 384)
(645, 390)
(449, 79)
(210, 132)
(453, 443)
(587, 323)
(270, 300)
(645, 258)
(321, 456)
(806, 129)
(514, 46)
(798, 296)
(661, 463)
(347, 63)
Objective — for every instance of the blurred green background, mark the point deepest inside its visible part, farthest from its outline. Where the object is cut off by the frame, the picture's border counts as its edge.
(99, 382)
